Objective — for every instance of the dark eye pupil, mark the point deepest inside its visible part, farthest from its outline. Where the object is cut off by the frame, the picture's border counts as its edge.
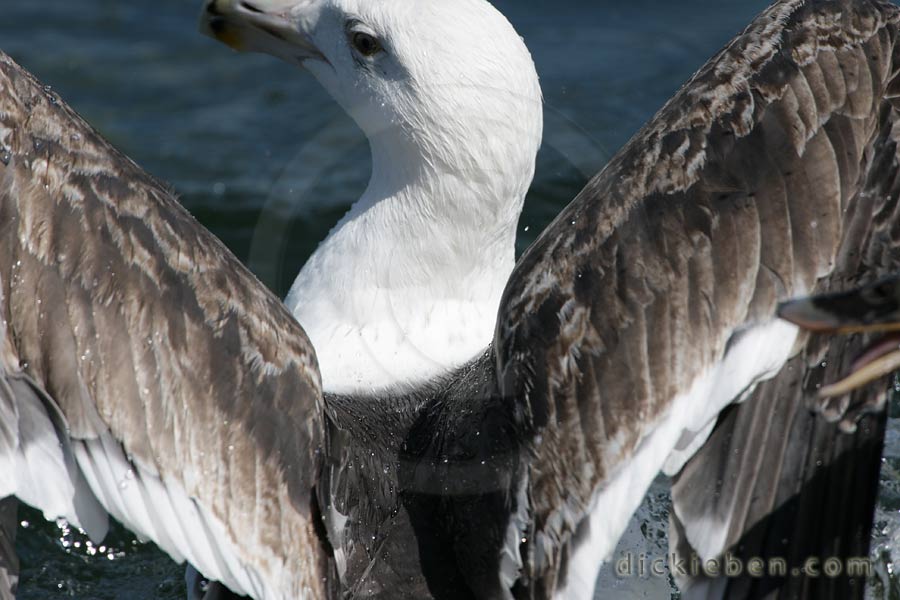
(365, 44)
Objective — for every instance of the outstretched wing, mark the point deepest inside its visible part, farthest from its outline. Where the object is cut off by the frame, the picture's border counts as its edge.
(647, 306)
(142, 367)
(777, 481)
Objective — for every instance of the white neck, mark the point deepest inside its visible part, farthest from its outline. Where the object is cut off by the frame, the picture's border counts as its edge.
(406, 287)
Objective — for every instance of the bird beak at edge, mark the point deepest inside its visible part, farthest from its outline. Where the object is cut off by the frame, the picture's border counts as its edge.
(874, 308)
(269, 26)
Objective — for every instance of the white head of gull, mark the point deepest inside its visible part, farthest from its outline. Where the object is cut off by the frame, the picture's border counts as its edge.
(406, 287)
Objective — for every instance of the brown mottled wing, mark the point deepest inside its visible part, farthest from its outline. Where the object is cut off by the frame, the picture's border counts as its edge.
(161, 351)
(791, 486)
(732, 197)
(777, 481)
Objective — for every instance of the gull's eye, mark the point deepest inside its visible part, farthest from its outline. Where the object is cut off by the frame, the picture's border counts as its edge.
(365, 44)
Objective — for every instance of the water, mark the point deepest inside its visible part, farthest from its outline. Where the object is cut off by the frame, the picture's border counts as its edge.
(261, 156)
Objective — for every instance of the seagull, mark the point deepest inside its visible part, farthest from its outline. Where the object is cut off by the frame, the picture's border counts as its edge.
(874, 307)
(425, 416)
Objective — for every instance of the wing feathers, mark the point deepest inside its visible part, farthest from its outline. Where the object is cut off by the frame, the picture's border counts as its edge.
(167, 359)
(733, 196)
(773, 470)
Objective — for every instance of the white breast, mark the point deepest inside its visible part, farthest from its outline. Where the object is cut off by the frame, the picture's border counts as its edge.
(407, 286)
(394, 338)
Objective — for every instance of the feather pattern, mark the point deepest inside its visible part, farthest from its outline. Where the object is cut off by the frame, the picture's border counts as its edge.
(629, 324)
(161, 352)
(733, 196)
(149, 337)
(776, 480)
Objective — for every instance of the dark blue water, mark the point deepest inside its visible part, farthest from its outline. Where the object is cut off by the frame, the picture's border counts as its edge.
(265, 160)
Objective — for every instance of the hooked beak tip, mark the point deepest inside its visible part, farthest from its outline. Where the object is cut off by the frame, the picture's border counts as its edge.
(215, 24)
(248, 26)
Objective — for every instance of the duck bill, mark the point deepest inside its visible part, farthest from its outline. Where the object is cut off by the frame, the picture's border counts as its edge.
(874, 308)
(277, 27)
